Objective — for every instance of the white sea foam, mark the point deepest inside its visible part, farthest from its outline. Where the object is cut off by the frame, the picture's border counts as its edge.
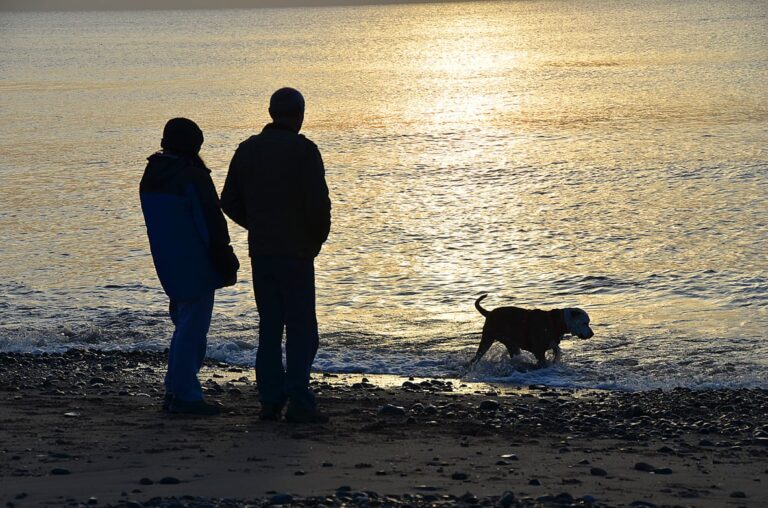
(613, 363)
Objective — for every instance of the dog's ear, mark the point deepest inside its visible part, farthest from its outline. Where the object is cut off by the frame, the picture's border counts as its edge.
(573, 318)
(575, 313)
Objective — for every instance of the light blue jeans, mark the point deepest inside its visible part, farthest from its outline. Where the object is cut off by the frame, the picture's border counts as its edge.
(192, 318)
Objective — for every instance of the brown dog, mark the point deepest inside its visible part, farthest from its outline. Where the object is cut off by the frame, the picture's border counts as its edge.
(533, 330)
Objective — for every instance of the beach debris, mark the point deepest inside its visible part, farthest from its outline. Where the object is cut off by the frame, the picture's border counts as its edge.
(391, 410)
(506, 499)
(59, 455)
(278, 499)
(726, 424)
(645, 467)
(489, 405)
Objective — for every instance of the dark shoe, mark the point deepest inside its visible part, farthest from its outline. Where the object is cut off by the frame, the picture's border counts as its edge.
(167, 401)
(271, 412)
(194, 407)
(298, 414)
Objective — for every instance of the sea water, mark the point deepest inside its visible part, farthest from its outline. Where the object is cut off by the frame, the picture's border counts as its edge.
(605, 155)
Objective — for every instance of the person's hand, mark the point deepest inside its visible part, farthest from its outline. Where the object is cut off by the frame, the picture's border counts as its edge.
(227, 264)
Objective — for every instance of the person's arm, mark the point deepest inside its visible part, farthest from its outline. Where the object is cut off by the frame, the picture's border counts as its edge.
(317, 201)
(222, 254)
(231, 201)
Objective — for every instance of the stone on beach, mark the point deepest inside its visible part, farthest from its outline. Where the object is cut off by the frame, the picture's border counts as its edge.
(391, 410)
(489, 405)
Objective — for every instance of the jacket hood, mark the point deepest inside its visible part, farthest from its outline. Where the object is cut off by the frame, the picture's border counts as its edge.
(165, 166)
(167, 170)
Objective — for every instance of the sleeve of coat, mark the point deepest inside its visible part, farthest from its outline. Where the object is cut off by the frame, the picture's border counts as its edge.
(231, 200)
(317, 201)
(221, 251)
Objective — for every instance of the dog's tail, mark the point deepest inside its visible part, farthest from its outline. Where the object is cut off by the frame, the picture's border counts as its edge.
(480, 309)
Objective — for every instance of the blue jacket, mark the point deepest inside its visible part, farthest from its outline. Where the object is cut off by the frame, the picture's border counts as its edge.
(187, 231)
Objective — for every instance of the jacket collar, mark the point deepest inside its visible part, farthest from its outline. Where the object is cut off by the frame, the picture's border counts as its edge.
(278, 127)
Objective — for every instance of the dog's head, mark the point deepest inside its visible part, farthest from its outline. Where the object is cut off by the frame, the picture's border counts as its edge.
(577, 323)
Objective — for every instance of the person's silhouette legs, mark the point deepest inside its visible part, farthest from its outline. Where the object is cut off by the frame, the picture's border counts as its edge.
(270, 374)
(285, 297)
(192, 319)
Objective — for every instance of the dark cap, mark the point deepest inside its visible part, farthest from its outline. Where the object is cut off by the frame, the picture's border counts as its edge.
(182, 135)
(286, 101)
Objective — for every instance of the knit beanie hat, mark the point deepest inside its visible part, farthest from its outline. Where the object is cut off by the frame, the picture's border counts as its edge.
(182, 135)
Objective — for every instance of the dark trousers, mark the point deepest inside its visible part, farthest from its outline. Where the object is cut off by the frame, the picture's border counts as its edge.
(285, 296)
(192, 318)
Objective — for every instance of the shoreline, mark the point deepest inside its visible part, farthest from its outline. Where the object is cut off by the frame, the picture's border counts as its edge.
(86, 425)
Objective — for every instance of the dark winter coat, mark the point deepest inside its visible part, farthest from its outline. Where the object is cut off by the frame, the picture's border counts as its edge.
(276, 189)
(187, 232)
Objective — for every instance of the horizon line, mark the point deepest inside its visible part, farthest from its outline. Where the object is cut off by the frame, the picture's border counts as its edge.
(176, 5)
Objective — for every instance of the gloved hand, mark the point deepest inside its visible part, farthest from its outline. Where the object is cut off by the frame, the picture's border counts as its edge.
(226, 263)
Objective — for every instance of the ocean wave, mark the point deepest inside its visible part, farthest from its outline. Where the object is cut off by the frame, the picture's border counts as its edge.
(613, 362)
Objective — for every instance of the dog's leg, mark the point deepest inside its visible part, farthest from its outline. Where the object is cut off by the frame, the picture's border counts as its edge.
(541, 357)
(485, 344)
(558, 354)
(512, 349)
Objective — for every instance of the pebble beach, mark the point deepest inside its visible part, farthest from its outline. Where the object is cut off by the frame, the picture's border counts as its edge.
(85, 428)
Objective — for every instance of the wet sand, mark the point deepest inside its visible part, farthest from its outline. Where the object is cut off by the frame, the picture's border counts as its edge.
(86, 428)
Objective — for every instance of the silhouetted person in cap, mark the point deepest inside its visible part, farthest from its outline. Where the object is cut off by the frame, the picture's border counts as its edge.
(190, 247)
(276, 189)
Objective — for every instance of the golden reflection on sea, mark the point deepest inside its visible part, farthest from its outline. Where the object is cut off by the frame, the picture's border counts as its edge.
(606, 155)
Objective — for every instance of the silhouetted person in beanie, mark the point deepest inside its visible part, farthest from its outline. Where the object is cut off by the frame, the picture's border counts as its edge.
(190, 247)
(276, 189)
